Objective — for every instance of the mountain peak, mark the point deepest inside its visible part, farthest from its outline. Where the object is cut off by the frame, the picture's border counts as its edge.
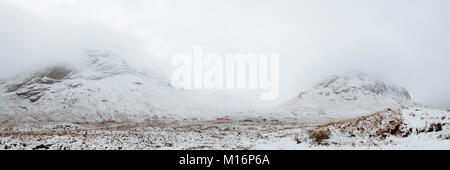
(350, 85)
(103, 88)
(107, 62)
(349, 78)
(347, 95)
(101, 64)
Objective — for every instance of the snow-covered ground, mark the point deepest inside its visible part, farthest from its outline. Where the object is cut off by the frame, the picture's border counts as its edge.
(388, 129)
(220, 133)
(414, 129)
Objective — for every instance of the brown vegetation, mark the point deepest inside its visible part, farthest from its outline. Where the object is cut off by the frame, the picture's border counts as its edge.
(318, 135)
(376, 125)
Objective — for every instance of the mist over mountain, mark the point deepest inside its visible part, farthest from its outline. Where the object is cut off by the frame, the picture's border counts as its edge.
(348, 95)
(404, 43)
(105, 74)
(106, 88)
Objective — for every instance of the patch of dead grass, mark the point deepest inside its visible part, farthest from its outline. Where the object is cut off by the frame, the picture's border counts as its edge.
(378, 125)
(318, 135)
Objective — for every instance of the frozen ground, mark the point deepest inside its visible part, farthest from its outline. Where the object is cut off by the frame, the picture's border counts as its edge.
(388, 129)
(407, 129)
(220, 133)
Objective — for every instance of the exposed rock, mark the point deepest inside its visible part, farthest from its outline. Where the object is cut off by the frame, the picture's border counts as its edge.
(33, 86)
(435, 127)
(55, 73)
(42, 146)
(14, 87)
(74, 85)
(33, 94)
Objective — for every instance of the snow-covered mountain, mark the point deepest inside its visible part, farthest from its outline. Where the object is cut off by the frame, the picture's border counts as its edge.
(105, 89)
(95, 106)
(348, 95)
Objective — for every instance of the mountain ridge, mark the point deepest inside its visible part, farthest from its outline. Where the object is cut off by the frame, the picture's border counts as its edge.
(108, 89)
(105, 89)
(348, 94)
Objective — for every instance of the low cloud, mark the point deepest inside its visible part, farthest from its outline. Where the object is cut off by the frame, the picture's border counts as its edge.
(404, 42)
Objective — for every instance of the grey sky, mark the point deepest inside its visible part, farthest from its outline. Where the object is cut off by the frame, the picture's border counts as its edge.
(404, 42)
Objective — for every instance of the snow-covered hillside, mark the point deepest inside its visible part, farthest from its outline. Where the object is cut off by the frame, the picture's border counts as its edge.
(348, 95)
(413, 128)
(105, 89)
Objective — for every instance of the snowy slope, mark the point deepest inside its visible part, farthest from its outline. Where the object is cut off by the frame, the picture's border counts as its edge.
(413, 128)
(99, 104)
(105, 89)
(348, 95)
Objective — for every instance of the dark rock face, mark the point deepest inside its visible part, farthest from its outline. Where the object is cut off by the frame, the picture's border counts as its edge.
(55, 73)
(42, 146)
(435, 127)
(33, 94)
(14, 87)
(34, 86)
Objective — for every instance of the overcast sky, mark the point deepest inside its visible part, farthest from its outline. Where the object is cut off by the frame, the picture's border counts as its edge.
(404, 42)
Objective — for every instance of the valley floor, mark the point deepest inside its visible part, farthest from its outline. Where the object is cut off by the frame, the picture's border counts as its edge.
(221, 133)
(376, 131)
